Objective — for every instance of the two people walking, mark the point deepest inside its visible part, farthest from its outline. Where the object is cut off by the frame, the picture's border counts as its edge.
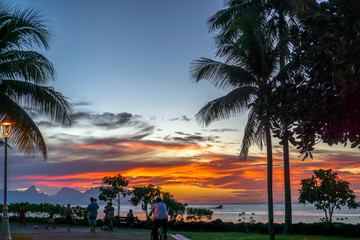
(109, 216)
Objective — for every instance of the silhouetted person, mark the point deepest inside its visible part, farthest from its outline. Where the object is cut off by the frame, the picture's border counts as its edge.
(68, 215)
(130, 214)
(93, 209)
(130, 217)
(51, 218)
(160, 218)
(109, 211)
(22, 212)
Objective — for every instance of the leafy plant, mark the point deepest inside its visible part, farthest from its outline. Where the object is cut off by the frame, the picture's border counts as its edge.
(245, 219)
(199, 214)
(144, 195)
(175, 209)
(327, 192)
(115, 186)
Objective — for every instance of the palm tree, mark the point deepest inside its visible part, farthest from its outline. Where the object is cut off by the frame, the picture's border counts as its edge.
(248, 70)
(277, 11)
(24, 75)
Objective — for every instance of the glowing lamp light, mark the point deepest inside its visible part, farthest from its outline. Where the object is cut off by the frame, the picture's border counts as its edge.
(5, 228)
(5, 127)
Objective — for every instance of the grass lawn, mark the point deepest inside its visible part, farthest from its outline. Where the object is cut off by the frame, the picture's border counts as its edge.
(253, 236)
(19, 238)
(142, 234)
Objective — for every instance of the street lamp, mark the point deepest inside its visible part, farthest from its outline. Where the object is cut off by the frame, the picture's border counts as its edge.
(5, 229)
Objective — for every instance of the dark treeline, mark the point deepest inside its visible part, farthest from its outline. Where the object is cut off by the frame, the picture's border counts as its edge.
(197, 219)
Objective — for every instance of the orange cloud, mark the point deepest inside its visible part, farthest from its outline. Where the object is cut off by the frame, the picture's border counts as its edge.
(202, 178)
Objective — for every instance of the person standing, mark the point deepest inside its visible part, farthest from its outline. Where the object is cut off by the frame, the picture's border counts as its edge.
(51, 218)
(110, 213)
(68, 215)
(22, 212)
(93, 209)
(160, 218)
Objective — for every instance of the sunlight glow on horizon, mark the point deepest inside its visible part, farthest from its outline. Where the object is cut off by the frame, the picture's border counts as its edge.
(231, 181)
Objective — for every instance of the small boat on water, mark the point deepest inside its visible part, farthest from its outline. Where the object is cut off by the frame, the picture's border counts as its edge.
(219, 207)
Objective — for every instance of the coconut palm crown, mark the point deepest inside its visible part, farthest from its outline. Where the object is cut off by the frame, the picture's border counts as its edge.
(24, 78)
(248, 70)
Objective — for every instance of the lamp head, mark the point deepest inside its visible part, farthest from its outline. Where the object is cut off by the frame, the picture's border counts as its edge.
(5, 126)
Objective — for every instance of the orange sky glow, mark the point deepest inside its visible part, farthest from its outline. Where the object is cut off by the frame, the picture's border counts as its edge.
(218, 179)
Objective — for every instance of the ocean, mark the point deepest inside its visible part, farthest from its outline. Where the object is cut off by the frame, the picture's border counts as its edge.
(230, 212)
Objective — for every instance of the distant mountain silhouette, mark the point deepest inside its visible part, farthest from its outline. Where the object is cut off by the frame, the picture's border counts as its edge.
(64, 196)
(68, 195)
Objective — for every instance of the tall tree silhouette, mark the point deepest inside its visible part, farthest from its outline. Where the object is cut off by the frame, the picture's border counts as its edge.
(279, 16)
(247, 71)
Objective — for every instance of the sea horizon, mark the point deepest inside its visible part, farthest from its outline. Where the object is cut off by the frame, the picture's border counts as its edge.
(258, 211)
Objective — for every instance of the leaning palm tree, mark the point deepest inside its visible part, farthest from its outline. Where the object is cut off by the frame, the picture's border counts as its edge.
(24, 75)
(247, 71)
(280, 15)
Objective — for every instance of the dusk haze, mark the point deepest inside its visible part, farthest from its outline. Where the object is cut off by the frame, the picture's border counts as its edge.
(179, 120)
(124, 65)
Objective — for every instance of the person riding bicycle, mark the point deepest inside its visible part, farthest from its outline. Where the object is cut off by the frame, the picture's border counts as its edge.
(160, 218)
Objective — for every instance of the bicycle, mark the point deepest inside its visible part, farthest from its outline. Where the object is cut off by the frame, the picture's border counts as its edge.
(161, 232)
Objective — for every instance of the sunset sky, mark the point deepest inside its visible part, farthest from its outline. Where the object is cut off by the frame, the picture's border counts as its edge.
(125, 67)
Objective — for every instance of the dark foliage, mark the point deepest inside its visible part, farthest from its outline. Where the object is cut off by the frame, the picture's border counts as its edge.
(327, 47)
(327, 192)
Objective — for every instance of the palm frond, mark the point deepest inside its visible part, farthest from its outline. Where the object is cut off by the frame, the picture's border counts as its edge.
(44, 99)
(223, 18)
(220, 74)
(227, 106)
(249, 135)
(25, 134)
(260, 135)
(26, 65)
(28, 28)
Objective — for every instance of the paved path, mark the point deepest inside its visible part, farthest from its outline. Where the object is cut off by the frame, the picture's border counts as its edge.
(78, 233)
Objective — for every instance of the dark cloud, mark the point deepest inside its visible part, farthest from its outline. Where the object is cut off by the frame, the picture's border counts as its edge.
(106, 119)
(109, 121)
(190, 139)
(182, 118)
(196, 137)
(143, 130)
(221, 130)
(65, 147)
(81, 103)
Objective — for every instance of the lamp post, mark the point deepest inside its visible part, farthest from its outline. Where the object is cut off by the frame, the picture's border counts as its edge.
(5, 229)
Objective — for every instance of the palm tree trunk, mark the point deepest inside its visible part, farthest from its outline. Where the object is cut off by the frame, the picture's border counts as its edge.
(118, 200)
(269, 183)
(288, 210)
